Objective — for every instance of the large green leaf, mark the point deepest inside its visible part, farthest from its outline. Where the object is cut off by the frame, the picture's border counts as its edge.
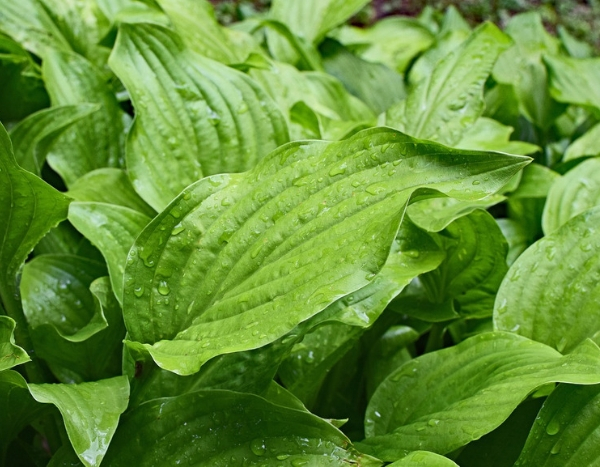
(98, 140)
(573, 193)
(558, 303)
(33, 137)
(565, 432)
(42, 26)
(17, 407)
(395, 42)
(310, 224)
(436, 401)
(521, 66)
(573, 80)
(29, 208)
(194, 117)
(450, 99)
(226, 428)
(112, 229)
(90, 412)
(10, 354)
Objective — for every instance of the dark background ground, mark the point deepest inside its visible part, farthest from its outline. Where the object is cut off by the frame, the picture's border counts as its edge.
(580, 18)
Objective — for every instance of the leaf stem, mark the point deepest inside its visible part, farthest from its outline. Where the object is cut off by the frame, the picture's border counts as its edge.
(435, 341)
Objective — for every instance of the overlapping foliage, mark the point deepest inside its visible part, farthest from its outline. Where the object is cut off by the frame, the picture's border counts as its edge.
(293, 241)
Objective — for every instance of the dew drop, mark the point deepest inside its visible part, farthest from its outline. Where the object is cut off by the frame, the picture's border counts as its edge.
(553, 427)
(476, 182)
(177, 229)
(163, 288)
(138, 291)
(258, 447)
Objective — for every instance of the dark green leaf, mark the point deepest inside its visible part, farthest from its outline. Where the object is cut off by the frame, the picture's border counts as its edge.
(10, 354)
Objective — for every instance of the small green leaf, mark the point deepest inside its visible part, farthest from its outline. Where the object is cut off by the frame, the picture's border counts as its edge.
(434, 402)
(228, 428)
(96, 141)
(558, 303)
(110, 186)
(10, 354)
(33, 137)
(586, 145)
(566, 429)
(489, 135)
(450, 99)
(423, 459)
(208, 118)
(571, 194)
(310, 224)
(90, 412)
(112, 229)
(573, 80)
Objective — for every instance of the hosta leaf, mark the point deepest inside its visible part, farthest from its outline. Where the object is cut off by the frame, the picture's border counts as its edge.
(489, 135)
(391, 41)
(573, 193)
(112, 229)
(195, 22)
(96, 141)
(110, 186)
(90, 411)
(10, 354)
(311, 223)
(474, 266)
(566, 430)
(424, 459)
(227, 428)
(91, 355)
(586, 145)
(558, 303)
(208, 118)
(374, 83)
(573, 80)
(29, 208)
(435, 401)
(33, 137)
(450, 99)
(46, 25)
(17, 407)
(521, 66)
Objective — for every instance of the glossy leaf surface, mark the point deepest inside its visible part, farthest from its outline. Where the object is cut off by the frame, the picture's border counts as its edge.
(274, 236)
(206, 116)
(434, 402)
(558, 305)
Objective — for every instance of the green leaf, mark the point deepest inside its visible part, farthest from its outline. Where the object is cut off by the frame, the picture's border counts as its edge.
(558, 303)
(90, 411)
(195, 22)
(33, 137)
(434, 402)
(575, 47)
(311, 223)
(226, 428)
(395, 42)
(521, 66)
(536, 182)
(424, 459)
(374, 83)
(29, 208)
(96, 141)
(110, 186)
(586, 145)
(566, 429)
(573, 80)
(10, 354)
(18, 409)
(450, 99)
(43, 26)
(93, 352)
(576, 191)
(312, 19)
(112, 229)
(207, 117)
(489, 135)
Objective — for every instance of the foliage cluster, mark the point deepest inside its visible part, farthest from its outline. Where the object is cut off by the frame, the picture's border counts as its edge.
(293, 241)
